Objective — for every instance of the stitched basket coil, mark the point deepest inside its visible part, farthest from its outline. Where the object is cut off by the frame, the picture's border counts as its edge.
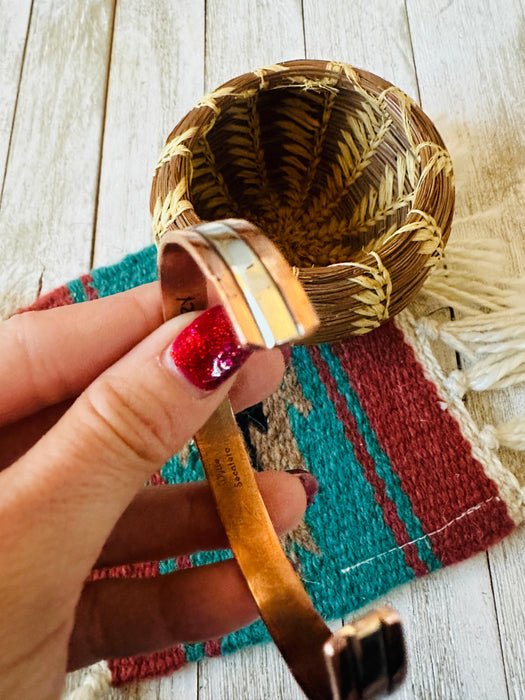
(342, 170)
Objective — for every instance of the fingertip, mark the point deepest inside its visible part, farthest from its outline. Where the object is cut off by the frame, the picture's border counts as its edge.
(260, 377)
(287, 495)
(207, 351)
(309, 483)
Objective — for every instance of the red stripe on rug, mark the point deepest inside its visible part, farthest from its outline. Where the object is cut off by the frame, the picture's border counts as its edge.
(183, 562)
(139, 668)
(57, 297)
(212, 647)
(90, 291)
(157, 479)
(367, 462)
(424, 444)
(148, 569)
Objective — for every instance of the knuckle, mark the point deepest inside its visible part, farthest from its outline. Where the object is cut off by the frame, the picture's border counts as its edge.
(132, 419)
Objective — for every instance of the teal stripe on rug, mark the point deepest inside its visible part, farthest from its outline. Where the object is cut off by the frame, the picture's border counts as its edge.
(77, 291)
(175, 472)
(137, 268)
(383, 466)
(341, 580)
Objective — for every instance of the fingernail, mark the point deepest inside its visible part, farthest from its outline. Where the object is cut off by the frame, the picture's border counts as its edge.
(309, 482)
(208, 351)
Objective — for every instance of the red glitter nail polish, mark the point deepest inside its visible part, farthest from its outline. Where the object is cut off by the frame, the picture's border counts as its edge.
(207, 351)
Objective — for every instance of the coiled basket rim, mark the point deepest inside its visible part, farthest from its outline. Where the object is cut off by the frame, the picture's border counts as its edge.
(355, 295)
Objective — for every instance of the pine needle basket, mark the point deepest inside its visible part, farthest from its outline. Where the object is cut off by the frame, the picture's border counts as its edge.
(339, 168)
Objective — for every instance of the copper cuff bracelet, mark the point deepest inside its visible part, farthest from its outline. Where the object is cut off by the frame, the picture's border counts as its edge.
(232, 263)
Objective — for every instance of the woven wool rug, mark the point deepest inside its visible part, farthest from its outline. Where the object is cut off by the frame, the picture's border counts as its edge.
(408, 482)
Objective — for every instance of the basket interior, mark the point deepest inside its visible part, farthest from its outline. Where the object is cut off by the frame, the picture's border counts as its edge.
(327, 174)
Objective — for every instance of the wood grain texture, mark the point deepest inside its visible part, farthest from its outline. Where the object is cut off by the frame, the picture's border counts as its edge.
(241, 37)
(48, 203)
(370, 35)
(257, 673)
(156, 75)
(471, 83)
(451, 630)
(13, 32)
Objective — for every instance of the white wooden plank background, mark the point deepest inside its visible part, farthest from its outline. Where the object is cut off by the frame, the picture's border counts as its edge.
(13, 32)
(49, 195)
(153, 82)
(472, 83)
(89, 91)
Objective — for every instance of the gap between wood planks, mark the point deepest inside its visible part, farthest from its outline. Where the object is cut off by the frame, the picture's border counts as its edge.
(22, 62)
(102, 135)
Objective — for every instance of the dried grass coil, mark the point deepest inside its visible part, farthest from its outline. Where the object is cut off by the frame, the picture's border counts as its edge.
(342, 170)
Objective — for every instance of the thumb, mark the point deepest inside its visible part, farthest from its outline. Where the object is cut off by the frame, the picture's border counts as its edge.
(67, 492)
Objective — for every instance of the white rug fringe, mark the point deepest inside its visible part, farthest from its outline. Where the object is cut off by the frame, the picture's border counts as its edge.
(469, 279)
(510, 434)
(495, 333)
(95, 686)
(490, 330)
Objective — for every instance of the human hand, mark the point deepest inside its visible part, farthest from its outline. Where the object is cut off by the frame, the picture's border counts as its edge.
(72, 495)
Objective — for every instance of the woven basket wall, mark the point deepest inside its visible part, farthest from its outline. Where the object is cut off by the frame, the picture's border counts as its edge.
(339, 168)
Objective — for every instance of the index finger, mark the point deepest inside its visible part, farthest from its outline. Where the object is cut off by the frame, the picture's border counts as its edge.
(52, 355)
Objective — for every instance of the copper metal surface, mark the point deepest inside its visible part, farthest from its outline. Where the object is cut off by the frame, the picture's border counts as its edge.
(367, 658)
(231, 262)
